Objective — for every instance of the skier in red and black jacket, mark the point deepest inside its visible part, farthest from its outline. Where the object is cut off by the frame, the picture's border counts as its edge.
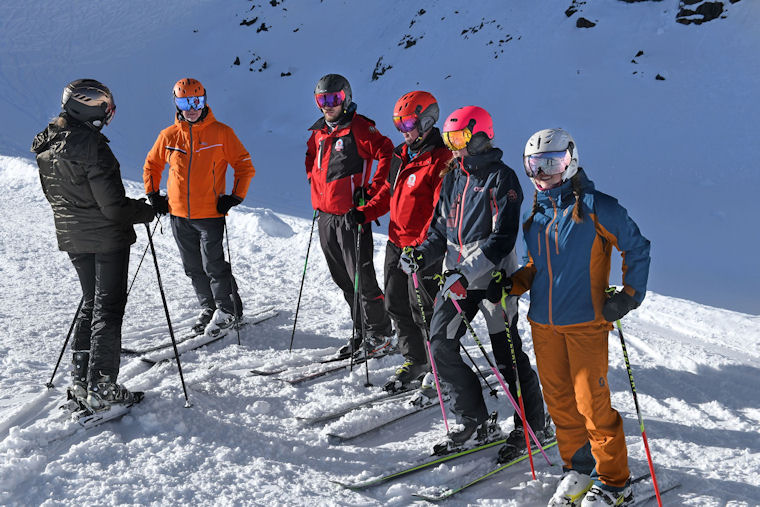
(339, 157)
(410, 193)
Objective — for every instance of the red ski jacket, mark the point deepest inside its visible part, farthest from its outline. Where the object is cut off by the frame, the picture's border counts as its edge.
(340, 161)
(411, 191)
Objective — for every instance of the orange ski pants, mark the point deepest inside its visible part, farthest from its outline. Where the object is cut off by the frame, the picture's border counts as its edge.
(573, 370)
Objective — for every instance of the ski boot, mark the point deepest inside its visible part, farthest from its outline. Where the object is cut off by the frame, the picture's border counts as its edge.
(571, 490)
(219, 321)
(515, 445)
(202, 320)
(405, 374)
(345, 350)
(469, 434)
(102, 393)
(601, 495)
(76, 393)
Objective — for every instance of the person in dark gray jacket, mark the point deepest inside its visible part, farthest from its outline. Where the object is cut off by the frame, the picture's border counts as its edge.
(94, 224)
(474, 229)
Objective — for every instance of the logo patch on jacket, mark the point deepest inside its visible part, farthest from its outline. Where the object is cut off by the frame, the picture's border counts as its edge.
(339, 145)
(411, 180)
(511, 195)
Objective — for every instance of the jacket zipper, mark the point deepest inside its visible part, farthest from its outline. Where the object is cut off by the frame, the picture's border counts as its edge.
(461, 211)
(549, 260)
(189, 164)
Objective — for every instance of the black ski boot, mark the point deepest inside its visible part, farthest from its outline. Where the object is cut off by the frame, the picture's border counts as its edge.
(469, 434)
(80, 363)
(515, 446)
(345, 350)
(405, 375)
(102, 393)
(202, 320)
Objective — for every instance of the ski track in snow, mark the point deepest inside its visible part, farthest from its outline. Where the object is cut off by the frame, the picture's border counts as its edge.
(695, 367)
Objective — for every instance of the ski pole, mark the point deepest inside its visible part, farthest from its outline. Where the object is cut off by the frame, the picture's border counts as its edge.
(303, 277)
(429, 350)
(142, 258)
(233, 285)
(492, 391)
(65, 343)
(168, 320)
(638, 409)
(499, 377)
(357, 308)
(507, 325)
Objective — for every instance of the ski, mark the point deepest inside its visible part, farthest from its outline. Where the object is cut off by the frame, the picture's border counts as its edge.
(188, 336)
(426, 463)
(339, 438)
(327, 371)
(643, 498)
(88, 418)
(283, 368)
(371, 402)
(447, 493)
(330, 358)
(203, 340)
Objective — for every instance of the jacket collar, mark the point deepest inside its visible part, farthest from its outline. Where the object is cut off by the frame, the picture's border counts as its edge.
(481, 160)
(344, 121)
(200, 124)
(430, 143)
(564, 193)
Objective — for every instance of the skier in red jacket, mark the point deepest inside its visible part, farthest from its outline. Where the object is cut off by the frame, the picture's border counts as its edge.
(410, 193)
(339, 156)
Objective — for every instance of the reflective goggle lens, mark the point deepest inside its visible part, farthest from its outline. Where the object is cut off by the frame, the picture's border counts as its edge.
(330, 99)
(457, 139)
(552, 162)
(405, 123)
(188, 103)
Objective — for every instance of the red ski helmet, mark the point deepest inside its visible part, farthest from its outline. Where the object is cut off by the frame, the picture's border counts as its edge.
(415, 109)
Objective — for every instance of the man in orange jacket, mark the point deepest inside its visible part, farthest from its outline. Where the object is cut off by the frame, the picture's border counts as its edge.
(198, 149)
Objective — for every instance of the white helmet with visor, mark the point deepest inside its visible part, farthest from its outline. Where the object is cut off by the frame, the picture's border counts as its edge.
(551, 151)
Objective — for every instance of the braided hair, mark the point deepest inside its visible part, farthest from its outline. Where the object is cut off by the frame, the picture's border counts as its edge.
(577, 208)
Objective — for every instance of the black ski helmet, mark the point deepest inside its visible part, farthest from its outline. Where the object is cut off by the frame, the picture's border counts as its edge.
(89, 101)
(332, 83)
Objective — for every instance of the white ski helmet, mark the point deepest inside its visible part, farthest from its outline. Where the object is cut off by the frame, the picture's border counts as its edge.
(552, 140)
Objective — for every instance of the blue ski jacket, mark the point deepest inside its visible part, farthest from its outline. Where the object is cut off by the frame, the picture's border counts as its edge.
(477, 219)
(569, 263)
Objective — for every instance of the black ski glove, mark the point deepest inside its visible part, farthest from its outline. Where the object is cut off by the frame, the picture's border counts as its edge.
(354, 217)
(360, 196)
(617, 306)
(227, 201)
(143, 212)
(159, 202)
(499, 282)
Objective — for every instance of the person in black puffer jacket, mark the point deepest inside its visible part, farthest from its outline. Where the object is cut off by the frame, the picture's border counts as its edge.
(94, 224)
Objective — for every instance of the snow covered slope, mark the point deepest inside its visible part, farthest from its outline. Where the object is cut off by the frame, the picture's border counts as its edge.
(696, 368)
(677, 152)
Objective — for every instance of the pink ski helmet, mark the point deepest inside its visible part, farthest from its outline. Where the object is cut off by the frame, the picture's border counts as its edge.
(463, 124)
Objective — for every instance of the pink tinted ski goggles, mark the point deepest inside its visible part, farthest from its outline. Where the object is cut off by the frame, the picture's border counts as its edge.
(550, 163)
(331, 99)
(406, 123)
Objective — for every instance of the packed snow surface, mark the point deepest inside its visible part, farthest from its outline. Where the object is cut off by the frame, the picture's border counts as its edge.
(696, 370)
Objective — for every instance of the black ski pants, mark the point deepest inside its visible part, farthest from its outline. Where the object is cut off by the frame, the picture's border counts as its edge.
(339, 246)
(402, 306)
(200, 246)
(103, 277)
(446, 329)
